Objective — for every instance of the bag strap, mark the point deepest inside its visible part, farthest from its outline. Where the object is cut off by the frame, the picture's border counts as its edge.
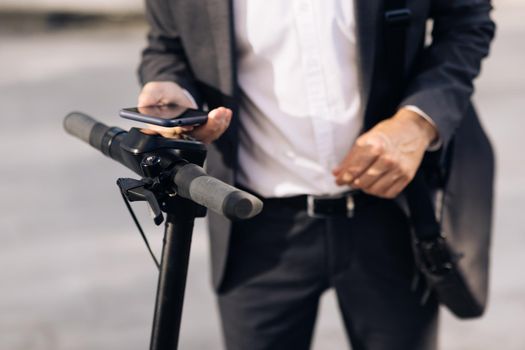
(397, 17)
(426, 227)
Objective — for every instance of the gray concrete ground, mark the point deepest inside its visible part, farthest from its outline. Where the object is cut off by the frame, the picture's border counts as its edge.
(74, 274)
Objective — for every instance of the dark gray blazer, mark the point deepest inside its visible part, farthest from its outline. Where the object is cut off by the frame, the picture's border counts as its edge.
(192, 43)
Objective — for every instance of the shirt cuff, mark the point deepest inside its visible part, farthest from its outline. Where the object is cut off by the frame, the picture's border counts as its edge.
(190, 98)
(438, 142)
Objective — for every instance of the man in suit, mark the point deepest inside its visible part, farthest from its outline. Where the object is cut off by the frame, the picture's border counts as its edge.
(305, 113)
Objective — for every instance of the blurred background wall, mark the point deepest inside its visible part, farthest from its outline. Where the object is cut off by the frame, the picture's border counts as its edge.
(93, 6)
(73, 270)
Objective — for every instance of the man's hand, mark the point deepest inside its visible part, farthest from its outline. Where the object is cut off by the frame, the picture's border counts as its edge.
(385, 159)
(166, 92)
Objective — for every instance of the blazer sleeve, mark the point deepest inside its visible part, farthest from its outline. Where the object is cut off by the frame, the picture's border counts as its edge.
(443, 81)
(164, 58)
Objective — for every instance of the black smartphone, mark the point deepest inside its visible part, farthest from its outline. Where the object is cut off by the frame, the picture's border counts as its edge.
(167, 115)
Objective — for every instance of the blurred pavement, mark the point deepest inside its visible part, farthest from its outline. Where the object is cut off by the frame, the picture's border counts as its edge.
(74, 272)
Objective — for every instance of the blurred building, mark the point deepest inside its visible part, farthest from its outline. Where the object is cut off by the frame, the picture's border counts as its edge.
(120, 7)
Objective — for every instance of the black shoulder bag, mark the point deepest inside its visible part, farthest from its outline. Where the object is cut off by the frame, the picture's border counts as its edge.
(451, 230)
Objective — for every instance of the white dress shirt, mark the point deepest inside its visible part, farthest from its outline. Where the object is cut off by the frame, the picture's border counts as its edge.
(300, 108)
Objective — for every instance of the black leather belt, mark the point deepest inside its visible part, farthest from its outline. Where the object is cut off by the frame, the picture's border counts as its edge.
(321, 206)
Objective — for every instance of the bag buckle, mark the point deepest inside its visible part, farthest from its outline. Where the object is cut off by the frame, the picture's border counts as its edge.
(398, 17)
(437, 257)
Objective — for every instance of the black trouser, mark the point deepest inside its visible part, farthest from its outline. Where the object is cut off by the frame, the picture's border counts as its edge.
(283, 260)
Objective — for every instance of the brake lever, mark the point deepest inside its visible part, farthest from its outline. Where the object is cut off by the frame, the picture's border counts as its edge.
(135, 191)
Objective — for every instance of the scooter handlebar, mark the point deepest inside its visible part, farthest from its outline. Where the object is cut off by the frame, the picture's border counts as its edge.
(191, 181)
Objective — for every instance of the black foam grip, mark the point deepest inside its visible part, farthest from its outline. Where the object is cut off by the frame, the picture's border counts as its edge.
(97, 134)
(193, 183)
(79, 125)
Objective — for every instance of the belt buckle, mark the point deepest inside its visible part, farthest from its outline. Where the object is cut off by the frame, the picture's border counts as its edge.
(310, 206)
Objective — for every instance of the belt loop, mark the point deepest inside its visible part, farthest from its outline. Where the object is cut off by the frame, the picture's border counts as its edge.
(310, 206)
(350, 205)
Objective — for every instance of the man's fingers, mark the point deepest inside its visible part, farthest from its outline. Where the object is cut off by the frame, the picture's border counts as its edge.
(147, 99)
(150, 95)
(163, 93)
(363, 154)
(389, 185)
(396, 188)
(166, 132)
(396, 145)
(218, 121)
(166, 92)
(383, 166)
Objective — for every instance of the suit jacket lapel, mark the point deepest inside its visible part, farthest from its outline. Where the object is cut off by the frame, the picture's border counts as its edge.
(368, 22)
(220, 17)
